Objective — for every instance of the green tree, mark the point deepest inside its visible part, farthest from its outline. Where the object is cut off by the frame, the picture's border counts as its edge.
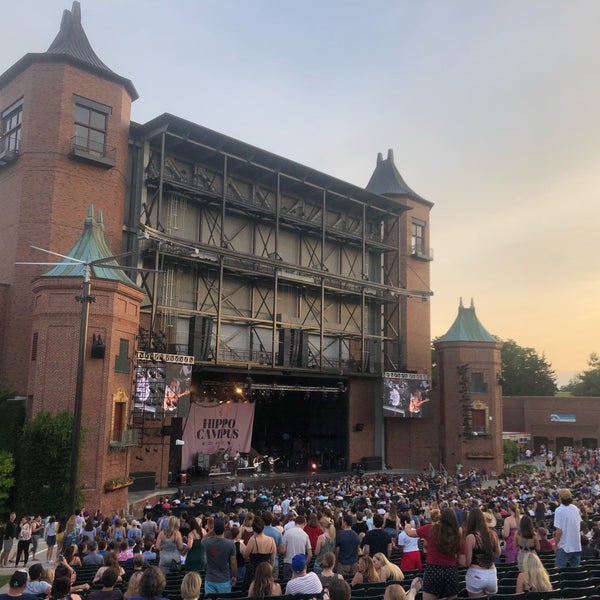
(525, 372)
(43, 464)
(7, 481)
(511, 452)
(586, 383)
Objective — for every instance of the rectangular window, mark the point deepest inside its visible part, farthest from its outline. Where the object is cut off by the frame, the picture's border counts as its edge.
(10, 128)
(90, 130)
(478, 385)
(479, 420)
(417, 243)
(91, 126)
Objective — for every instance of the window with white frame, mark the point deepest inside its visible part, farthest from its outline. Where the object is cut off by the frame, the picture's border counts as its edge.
(10, 127)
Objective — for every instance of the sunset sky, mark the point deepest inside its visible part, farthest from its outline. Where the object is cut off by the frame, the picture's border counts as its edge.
(492, 109)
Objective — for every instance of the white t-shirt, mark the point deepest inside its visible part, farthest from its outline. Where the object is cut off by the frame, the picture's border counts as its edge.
(568, 519)
(409, 544)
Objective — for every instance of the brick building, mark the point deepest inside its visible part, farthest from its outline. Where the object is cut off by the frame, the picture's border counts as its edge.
(299, 289)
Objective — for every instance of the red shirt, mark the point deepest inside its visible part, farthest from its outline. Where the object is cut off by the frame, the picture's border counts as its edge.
(434, 556)
(313, 534)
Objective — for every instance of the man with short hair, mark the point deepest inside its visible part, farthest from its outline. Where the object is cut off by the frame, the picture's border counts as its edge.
(346, 548)
(301, 581)
(35, 585)
(108, 592)
(339, 589)
(567, 532)
(149, 527)
(92, 557)
(377, 540)
(296, 542)
(221, 564)
(277, 536)
(10, 533)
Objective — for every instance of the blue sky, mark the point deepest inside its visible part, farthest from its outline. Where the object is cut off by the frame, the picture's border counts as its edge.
(491, 108)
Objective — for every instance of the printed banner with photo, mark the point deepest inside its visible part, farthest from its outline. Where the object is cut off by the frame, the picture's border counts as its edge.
(212, 428)
(405, 395)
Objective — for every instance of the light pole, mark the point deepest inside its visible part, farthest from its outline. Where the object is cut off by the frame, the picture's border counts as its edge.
(85, 300)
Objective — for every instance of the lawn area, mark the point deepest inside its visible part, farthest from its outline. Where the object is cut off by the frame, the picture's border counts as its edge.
(4, 579)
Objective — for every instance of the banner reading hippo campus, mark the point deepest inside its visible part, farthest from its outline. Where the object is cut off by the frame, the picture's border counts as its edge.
(217, 428)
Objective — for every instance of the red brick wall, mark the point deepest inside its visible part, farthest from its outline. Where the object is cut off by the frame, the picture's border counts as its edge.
(115, 316)
(44, 195)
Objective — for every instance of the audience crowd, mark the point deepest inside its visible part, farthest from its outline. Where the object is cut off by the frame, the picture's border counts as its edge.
(435, 535)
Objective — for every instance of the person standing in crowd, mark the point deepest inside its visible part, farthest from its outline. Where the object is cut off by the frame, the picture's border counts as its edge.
(411, 555)
(482, 547)
(259, 548)
(10, 533)
(526, 538)
(509, 529)
(24, 541)
(325, 542)
(221, 565)
(567, 527)
(170, 545)
(296, 542)
(277, 536)
(440, 579)
(346, 548)
(378, 539)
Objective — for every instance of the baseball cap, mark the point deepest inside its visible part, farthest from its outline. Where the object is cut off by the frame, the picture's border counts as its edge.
(18, 579)
(299, 563)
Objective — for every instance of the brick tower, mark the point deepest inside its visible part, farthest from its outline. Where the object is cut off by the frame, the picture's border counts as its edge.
(469, 365)
(64, 138)
(107, 363)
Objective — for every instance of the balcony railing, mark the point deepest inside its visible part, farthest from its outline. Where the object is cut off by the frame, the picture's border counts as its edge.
(93, 152)
(124, 439)
(421, 253)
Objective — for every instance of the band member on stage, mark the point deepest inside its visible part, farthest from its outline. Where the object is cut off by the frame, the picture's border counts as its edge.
(257, 464)
(272, 460)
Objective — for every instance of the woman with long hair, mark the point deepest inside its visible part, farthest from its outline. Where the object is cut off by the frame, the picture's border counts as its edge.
(195, 559)
(325, 542)
(391, 521)
(313, 530)
(263, 583)
(533, 577)
(110, 560)
(387, 571)
(509, 529)
(327, 576)
(170, 545)
(440, 579)
(481, 548)
(259, 548)
(526, 539)
(411, 554)
(366, 572)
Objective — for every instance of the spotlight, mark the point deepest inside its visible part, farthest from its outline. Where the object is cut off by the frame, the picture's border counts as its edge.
(239, 390)
(179, 443)
(313, 467)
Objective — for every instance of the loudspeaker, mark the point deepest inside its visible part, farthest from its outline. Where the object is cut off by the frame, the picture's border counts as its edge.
(98, 346)
(359, 427)
(199, 337)
(183, 406)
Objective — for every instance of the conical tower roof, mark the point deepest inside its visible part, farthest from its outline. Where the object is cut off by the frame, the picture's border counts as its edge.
(387, 181)
(467, 327)
(72, 41)
(90, 247)
(72, 46)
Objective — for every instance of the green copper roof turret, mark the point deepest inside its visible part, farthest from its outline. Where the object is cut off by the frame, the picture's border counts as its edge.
(90, 247)
(467, 327)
